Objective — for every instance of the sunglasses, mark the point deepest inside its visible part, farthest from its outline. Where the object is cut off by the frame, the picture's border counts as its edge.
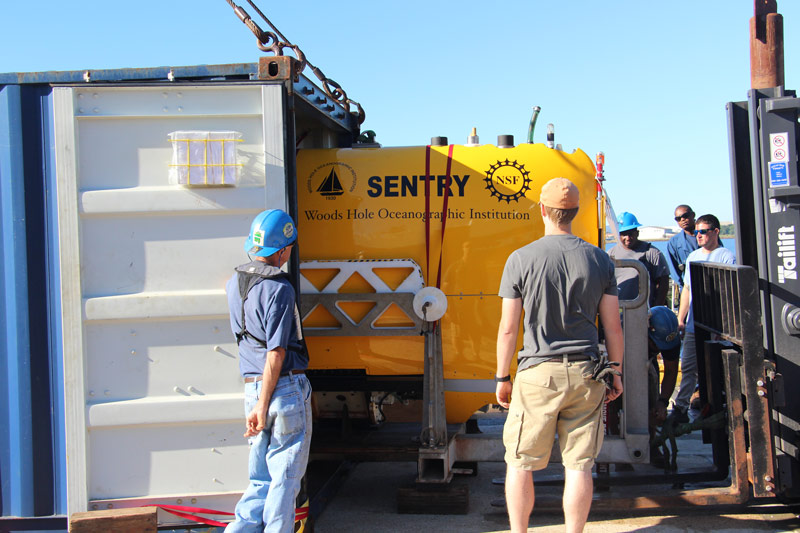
(687, 214)
(702, 231)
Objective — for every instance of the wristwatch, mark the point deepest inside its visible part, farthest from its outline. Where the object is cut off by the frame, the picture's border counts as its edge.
(502, 380)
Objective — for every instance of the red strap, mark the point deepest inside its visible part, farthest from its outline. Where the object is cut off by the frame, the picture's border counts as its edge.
(183, 511)
(444, 213)
(190, 509)
(428, 212)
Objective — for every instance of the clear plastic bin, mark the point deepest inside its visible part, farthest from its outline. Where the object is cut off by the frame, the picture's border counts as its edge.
(204, 158)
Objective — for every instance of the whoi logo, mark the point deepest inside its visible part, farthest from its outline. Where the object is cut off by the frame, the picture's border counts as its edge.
(331, 180)
(331, 186)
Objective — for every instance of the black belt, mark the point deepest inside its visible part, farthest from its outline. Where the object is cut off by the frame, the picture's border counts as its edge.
(253, 379)
(569, 358)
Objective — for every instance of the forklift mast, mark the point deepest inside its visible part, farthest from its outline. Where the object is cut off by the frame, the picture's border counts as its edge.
(763, 137)
(763, 133)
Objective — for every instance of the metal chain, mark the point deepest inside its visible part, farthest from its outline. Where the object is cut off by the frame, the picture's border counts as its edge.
(263, 16)
(276, 42)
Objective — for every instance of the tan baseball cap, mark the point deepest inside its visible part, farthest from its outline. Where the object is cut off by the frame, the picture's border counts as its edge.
(559, 193)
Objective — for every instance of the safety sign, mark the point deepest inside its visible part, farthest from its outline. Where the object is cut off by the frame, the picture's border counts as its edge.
(778, 146)
(778, 174)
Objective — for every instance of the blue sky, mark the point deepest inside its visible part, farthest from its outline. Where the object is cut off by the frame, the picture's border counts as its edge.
(644, 82)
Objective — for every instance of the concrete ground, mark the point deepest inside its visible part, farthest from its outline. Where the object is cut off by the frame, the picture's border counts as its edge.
(367, 501)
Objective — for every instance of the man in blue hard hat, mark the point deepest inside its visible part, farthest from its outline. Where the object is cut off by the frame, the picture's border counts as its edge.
(681, 244)
(272, 361)
(630, 247)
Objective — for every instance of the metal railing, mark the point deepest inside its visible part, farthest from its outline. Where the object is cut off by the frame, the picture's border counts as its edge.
(726, 306)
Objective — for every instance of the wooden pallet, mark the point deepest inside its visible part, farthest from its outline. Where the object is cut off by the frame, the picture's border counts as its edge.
(130, 520)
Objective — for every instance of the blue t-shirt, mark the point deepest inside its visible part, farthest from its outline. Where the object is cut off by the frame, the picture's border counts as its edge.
(271, 315)
(718, 255)
(678, 249)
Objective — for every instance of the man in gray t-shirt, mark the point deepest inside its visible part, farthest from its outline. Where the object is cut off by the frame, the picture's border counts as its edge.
(562, 283)
(540, 274)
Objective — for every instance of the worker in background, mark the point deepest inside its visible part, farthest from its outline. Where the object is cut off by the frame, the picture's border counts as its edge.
(663, 338)
(630, 247)
(272, 361)
(562, 283)
(681, 244)
(707, 232)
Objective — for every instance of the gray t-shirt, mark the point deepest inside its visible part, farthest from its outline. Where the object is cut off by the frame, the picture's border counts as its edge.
(560, 279)
(628, 279)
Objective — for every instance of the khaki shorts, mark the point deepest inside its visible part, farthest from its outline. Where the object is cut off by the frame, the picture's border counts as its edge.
(552, 397)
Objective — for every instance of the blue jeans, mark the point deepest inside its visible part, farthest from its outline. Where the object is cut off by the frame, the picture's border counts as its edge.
(278, 458)
(688, 372)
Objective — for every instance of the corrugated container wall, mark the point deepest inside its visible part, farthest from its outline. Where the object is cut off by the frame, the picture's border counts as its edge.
(32, 449)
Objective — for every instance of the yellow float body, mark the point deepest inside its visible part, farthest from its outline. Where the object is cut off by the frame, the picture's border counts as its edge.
(370, 204)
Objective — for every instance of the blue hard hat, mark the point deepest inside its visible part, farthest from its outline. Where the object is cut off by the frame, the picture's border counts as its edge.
(270, 231)
(663, 328)
(627, 221)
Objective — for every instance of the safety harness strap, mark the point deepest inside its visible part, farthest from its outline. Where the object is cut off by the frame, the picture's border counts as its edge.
(248, 278)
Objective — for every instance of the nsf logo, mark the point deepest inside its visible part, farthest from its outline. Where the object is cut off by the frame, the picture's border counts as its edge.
(507, 180)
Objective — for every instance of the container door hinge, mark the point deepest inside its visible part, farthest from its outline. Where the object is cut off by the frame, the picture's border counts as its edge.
(778, 394)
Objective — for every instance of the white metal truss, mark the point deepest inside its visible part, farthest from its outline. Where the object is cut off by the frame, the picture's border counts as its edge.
(384, 297)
